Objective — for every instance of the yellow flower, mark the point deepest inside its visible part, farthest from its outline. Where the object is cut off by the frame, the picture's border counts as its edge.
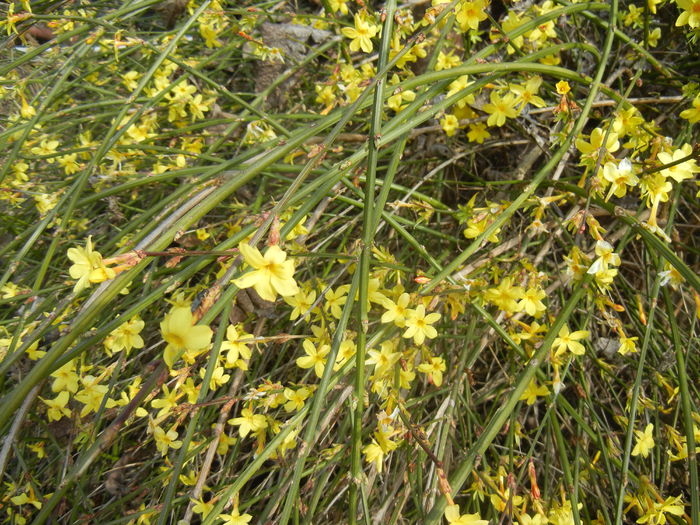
(384, 360)
(434, 368)
(621, 176)
(500, 108)
(335, 300)
(165, 440)
(338, 5)
(361, 34)
(295, 398)
(396, 311)
(314, 358)
(235, 347)
(692, 115)
(682, 171)
(450, 124)
(69, 163)
(167, 402)
(627, 345)
(453, 517)
(478, 133)
(23, 498)
(65, 378)
(218, 377)
(85, 261)
(606, 257)
(690, 14)
(505, 296)
(563, 87)
(645, 441)
(181, 334)
(235, 518)
(570, 341)
(654, 37)
(125, 337)
(655, 188)
(374, 454)
(533, 391)
(46, 147)
(27, 111)
(202, 507)
(537, 519)
(248, 422)
(591, 149)
(531, 301)
(469, 14)
(92, 395)
(273, 274)
(57, 406)
(527, 94)
(418, 325)
(447, 61)
(302, 303)
(656, 513)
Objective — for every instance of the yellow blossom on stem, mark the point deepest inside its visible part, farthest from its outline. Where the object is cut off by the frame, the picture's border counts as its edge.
(527, 94)
(418, 325)
(334, 300)
(563, 87)
(165, 440)
(434, 369)
(449, 124)
(85, 261)
(657, 512)
(533, 391)
(272, 273)
(692, 115)
(682, 171)
(125, 337)
(531, 301)
(537, 519)
(690, 14)
(396, 312)
(655, 188)
(65, 378)
(383, 360)
(218, 377)
(166, 403)
(315, 357)
(478, 133)
(499, 109)
(469, 14)
(591, 149)
(620, 176)
(447, 61)
(505, 296)
(645, 441)
(45, 148)
(235, 518)
(92, 395)
(338, 5)
(361, 34)
(302, 303)
(606, 257)
(627, 345)
(236, 349)
(295, 398)
(57, 406)
(181, 334)
(570, 341)
(248, 422)
(453, 517)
